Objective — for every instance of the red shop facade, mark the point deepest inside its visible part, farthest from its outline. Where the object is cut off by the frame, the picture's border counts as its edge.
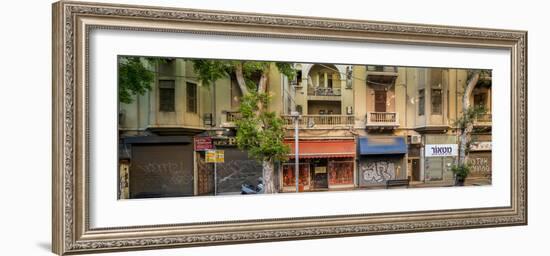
(323, 165)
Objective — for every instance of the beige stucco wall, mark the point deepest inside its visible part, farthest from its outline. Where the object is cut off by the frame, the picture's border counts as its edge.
(144, 112)
(402, 98)
(360, 88)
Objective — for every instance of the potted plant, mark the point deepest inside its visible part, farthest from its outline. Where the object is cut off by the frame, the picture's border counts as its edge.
(460, 171)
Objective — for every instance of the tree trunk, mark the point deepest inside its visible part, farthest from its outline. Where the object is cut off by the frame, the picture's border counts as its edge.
(465, 134)
(269, 177)
(262, 84)
(240, 78)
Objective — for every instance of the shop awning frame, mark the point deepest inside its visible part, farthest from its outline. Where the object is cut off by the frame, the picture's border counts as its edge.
(323, 148)
(382, 145)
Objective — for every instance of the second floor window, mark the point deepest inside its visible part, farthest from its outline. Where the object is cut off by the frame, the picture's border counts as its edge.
(167, 96)
(191, 90)
(480, 100)
(380, 97)
(421, 102)
(437, 101)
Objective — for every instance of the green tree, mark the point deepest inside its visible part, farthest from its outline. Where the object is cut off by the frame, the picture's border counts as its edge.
(259, 131)
(135, 75)
(465, 123)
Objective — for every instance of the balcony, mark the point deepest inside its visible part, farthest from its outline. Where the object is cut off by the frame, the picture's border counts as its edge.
(228, 120)
(382, 120)
(324, 93)
(483, 120)
(320, 121)
(382, 68)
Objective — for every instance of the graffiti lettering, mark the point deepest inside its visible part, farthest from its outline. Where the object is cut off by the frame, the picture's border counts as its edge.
(175, 170)
(480, 165)
(377, 171)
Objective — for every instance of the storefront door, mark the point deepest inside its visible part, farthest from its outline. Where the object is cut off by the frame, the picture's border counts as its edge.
(414, 169)
(320, 174)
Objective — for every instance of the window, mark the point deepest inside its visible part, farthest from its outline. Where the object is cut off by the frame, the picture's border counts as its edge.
(436, 101)
(167, 96)
(191, 90)
(299, 109)
(480, 99)
(298, 79)
(299, 75)
(380, 97)
(421, 102)
(329, 80)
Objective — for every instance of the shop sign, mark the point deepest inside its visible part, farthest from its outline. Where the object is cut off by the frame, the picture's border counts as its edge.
(203, 143)
(214, 156)
(481, 146)
(441, 150)
(231, 141)
(320, 169)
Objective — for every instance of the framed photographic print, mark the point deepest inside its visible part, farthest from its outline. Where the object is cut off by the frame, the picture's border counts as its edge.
(179, 127)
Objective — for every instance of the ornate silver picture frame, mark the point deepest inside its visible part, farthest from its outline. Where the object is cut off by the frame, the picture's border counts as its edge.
(72, 208)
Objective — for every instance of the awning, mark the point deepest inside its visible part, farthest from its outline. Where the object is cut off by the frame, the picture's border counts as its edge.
(382, 145)
(323, 148)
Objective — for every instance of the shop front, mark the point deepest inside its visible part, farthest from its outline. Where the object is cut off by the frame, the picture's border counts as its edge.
(381, 158)
(237, 169)
(157, 166)
(323, 165)
(413, 162)
(480, 158)
(440, 153)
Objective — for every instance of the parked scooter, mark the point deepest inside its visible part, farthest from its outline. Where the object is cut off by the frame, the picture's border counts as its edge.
(251, 189)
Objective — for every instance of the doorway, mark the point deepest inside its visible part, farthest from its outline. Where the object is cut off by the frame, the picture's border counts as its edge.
(380, 97)
(414, 167)
(320, 174)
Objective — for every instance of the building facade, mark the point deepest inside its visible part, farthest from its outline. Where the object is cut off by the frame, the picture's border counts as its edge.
(157, 133)
(395, 117)
(359, 126)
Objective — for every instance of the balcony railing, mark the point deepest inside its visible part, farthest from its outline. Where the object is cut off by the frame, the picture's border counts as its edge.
(324, 91)
(483, 120)
(382, 119)
(320, 121)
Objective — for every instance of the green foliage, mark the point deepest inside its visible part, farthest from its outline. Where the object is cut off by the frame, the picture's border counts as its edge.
(461, 170)
(484, 76)
(134, 77)
(469, 116)
(209, 71)
(286, 69)
(260, 132)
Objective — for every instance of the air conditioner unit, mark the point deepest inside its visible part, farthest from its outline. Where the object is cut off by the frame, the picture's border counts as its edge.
(416, 139)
